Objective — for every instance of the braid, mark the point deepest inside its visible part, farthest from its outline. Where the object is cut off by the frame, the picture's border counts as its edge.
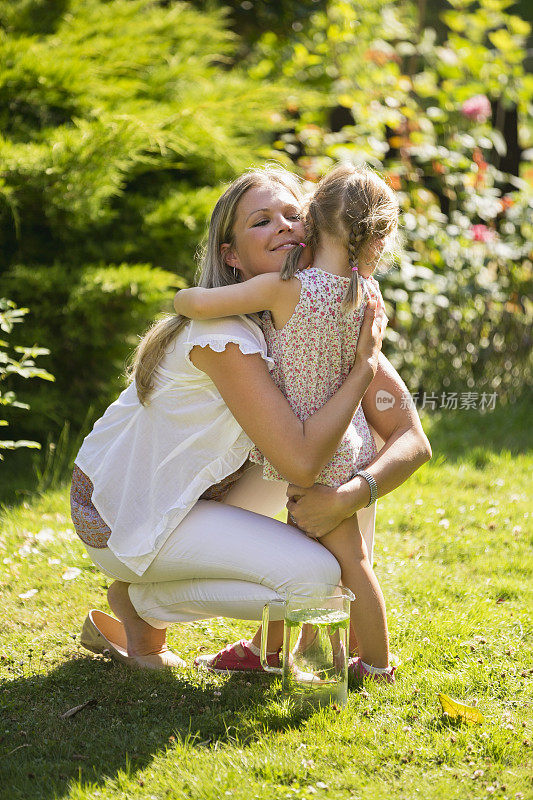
(290, 265)
(360, 230)
(312, 230)
(353, 297)
(353, 247)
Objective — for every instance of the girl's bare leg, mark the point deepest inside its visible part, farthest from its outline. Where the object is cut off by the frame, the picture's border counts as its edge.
(275, 636)
(368, 616)
(352, 644)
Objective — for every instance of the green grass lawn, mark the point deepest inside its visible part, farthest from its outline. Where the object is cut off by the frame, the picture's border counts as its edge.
(453, 555)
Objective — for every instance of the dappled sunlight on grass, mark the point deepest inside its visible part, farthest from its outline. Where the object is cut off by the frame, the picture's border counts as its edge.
(453, 555)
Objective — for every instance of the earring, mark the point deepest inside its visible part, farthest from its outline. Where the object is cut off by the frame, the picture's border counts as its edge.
(234, 270)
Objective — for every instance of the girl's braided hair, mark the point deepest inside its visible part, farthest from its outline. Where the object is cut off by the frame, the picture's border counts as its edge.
(356, 205)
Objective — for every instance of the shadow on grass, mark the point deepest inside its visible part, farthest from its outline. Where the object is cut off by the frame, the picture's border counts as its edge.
(468, 435)
(137, 715)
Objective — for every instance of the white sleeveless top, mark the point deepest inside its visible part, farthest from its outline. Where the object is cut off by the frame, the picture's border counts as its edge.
(150, 464)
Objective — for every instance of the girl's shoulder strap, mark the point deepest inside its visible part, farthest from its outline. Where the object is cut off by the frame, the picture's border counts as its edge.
(312, 280)
(372, 288)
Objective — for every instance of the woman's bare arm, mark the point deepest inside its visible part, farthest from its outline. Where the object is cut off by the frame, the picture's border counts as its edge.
(397, 422)
(298, 450)
(319, 509)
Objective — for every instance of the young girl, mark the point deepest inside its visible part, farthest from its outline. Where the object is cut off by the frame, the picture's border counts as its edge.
(311, 325)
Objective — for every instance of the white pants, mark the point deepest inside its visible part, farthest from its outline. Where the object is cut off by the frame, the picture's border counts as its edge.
(223, 560)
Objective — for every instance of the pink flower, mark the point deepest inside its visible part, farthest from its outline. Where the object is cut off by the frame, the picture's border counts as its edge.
(481, 233)
(477, 108)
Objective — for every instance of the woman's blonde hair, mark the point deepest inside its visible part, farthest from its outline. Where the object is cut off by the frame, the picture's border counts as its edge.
(356, 205)
(213, 270)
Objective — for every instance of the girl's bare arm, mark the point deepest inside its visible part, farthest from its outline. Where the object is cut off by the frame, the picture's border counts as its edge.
(262, 293)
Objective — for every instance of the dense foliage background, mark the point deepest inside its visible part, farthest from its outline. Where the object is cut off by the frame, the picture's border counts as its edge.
(121, 119)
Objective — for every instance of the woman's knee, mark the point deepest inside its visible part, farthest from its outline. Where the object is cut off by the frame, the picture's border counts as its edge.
(315, 573)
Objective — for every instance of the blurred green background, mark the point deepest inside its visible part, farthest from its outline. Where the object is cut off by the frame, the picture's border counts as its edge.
(122, 120)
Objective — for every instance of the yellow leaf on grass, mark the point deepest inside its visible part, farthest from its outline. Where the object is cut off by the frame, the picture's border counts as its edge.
(453, 708)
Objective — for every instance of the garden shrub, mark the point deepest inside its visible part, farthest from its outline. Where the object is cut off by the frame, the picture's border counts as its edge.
(91, 319)
(121, 120)
(118, 122)
(436, 116)
(16, 360)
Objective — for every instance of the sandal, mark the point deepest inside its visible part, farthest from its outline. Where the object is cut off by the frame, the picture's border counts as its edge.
(102, 633)
(235, 658)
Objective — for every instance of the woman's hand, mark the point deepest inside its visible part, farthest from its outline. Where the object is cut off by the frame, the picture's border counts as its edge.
(319, 509)
(371, 336)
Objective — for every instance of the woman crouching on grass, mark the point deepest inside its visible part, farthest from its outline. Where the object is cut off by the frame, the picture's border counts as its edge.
(163, 492)
(311, 324)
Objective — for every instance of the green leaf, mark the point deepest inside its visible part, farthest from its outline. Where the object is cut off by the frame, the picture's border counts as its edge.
(518, 26)
(497, 139)
(455, 21)
(9, 444)
(503, 40)
(32, 352)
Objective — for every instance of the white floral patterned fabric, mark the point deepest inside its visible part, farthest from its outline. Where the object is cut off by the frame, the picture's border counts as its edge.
(313, 354)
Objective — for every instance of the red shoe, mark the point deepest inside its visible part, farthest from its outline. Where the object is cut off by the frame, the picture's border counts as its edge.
(235, 658)
(357, 672)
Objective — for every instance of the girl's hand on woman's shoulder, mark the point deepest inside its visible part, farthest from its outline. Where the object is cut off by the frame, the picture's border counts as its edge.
(318, 509)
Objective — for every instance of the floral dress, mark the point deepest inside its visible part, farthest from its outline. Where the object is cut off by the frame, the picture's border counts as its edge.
(313, 354)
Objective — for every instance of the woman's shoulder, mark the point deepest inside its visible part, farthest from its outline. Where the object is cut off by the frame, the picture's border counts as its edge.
(217, 334)
(221, 326)
(224, 330)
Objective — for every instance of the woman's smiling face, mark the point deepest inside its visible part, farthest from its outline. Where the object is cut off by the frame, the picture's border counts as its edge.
(268, 225)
